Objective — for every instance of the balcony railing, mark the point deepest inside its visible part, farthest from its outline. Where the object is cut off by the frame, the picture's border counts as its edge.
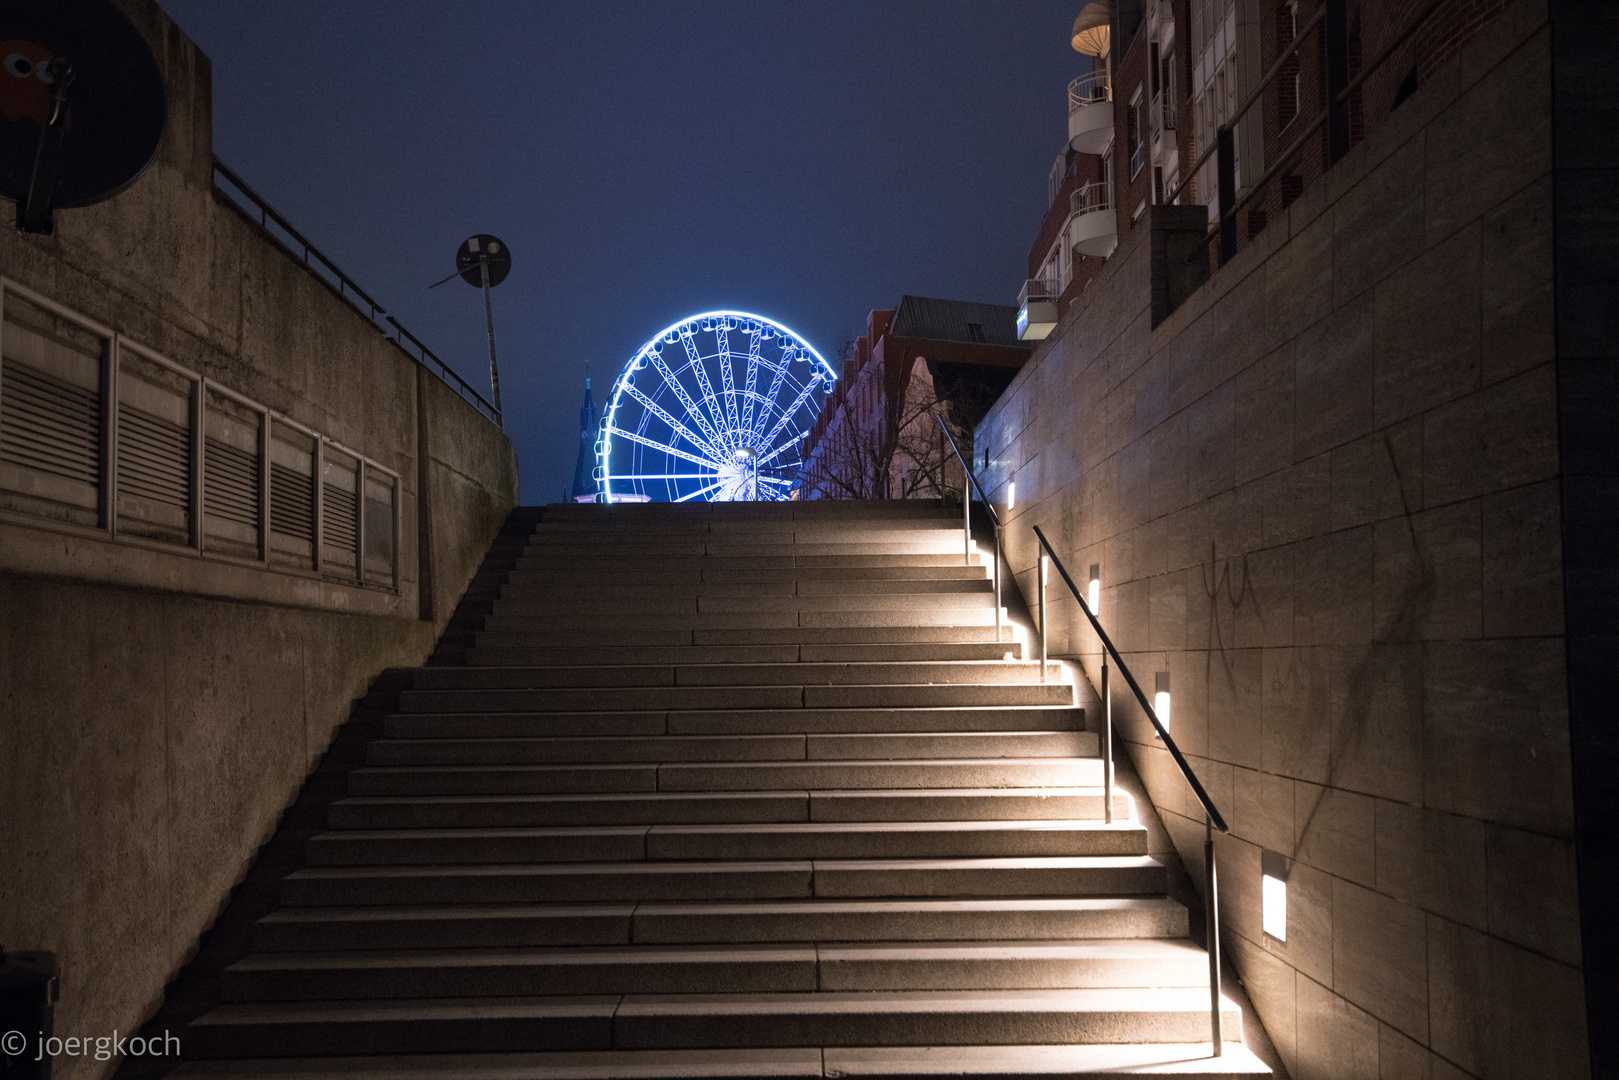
(1038, 289)
(1089, 90)
(1090, 113)
(1093, 228)
(1091, 196)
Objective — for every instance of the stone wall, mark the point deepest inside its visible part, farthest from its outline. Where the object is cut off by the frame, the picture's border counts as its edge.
(1324, 497)
(159, 710)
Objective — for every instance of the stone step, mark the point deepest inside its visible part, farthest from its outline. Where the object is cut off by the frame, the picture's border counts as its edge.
(911, 920)
(553, 561)
(595, 589)
(756, 696)
(424, 1026)
(426, 973)
(527, 631)
(872, 721)
(643, 550)
(694, 574)
(591, 619)
(514, 925)
(797, 673)
(489, 652)
(671, 748)
(749, 841)
(718, 968)
(895, 606)
(937, 1018)
(1071, 876)
(692, 808)
(474, 725)
(1109, 1061)
(726, 776)
(472, 926)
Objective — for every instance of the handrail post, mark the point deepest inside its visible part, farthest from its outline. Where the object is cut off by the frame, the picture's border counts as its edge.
(966, 517)
(1045, 564)
(1107, 743)
(1211, 906)
(998, 531)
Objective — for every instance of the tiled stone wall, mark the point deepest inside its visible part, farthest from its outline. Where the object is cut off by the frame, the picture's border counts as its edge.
(1324, 497)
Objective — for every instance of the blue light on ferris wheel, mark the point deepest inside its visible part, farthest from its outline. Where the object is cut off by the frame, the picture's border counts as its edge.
(708, 421)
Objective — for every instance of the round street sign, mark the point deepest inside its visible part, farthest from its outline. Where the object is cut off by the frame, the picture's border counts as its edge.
(483, 248)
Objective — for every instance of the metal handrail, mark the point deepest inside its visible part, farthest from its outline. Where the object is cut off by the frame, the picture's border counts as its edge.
(1212, 819)
(1211, 816)
(1135, 688)
(345, 286)
(967, 528)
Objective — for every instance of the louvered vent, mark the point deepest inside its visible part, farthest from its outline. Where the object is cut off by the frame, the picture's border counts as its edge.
(51, 426)
(155, 448)
(338, 514)
(232, 492)
(50, 416)
(230, 473)
(292, 497)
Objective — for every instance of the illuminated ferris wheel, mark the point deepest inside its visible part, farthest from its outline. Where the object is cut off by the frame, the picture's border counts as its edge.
(715, 408)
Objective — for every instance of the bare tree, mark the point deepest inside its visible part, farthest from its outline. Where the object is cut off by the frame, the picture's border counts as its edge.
(897, 450)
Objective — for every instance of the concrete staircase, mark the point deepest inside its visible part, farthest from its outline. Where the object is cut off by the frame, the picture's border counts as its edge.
(726, 790)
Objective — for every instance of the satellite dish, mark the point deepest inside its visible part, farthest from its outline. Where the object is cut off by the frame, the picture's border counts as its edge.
(82, 106)
(483, 249)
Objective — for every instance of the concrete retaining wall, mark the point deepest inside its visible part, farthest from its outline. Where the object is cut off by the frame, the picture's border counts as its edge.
(159, 710)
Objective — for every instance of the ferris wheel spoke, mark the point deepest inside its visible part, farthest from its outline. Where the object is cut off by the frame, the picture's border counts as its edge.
(700, 491)
(707, 388)
(792, 411)
(715, 443)
(756, 337)
(662, 414)
(654, 444)
(727, 376)
(775, 388)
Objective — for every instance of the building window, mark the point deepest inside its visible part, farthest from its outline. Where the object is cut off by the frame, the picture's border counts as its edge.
(975, 331)
(1134, 125)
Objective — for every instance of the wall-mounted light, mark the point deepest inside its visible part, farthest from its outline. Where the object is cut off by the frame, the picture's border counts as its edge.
(1273, 894)
(1160, 699)
(1093, 595)
(1011, 495)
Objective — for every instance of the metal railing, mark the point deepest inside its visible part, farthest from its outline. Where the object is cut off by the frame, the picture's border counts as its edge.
(1092, 89)
(1038, 289)
(967, 527)
(252, 204)
(1212, 819)
(1091, 196)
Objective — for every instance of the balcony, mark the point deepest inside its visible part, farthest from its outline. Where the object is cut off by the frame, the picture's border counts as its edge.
(1090, 113)
(1093, 227)
(1037, 309)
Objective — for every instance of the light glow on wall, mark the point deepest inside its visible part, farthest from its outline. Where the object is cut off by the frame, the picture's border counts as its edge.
(1160, 699)
(1093, 595)
(1011, 494)
(1273, 894)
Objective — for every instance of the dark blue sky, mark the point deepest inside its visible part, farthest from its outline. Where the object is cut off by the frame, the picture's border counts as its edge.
(808, 161)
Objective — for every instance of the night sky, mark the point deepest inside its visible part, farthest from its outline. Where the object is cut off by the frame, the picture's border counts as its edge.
(805, 161)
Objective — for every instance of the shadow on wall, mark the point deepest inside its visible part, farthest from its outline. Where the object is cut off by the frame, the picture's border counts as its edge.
(1348, 740)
